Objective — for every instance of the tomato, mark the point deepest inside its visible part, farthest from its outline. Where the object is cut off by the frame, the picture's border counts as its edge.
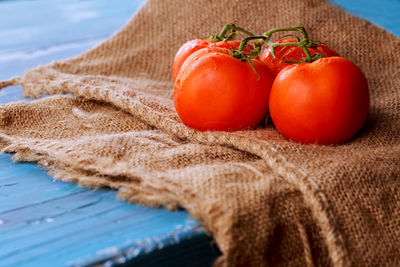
(193, 45)
(186, 50)
(290, 53)
(215, 91)
(323, 102)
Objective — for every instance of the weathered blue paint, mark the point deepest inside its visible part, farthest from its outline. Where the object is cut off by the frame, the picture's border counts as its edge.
(46, 222)
(29, 26)
(51, 223)
(384, 13)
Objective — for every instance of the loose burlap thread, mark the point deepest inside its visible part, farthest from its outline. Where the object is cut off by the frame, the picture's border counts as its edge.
(266, 200)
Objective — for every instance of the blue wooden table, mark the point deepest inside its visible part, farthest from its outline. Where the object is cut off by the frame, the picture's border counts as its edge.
(50, 223)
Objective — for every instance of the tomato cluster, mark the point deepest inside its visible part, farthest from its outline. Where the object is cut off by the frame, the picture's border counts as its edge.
(311, 93)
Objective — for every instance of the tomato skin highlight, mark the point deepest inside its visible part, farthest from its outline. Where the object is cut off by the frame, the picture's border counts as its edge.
(215, 91)
(324, 102)
(186, 50)
(290, 53)
(194, 45)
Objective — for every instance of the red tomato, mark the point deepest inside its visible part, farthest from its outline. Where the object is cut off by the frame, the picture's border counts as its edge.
(215, 91)
(186, 50)
(193, 45)
(290, 53)
(324, 102)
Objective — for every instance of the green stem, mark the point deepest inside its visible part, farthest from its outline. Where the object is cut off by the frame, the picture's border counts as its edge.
(302, 30)
(247, 39)
(241, 55)
(233, 27)
(221, 36)
(304, 43)
(300, 44)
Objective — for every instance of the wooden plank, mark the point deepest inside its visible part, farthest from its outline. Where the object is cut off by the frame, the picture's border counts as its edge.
(30, 26)
(81, 225)
(385, 14)
(77, 229)
(24, 183)
(201, 252)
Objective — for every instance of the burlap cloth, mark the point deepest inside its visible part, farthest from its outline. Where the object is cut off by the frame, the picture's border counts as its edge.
(266, 200)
